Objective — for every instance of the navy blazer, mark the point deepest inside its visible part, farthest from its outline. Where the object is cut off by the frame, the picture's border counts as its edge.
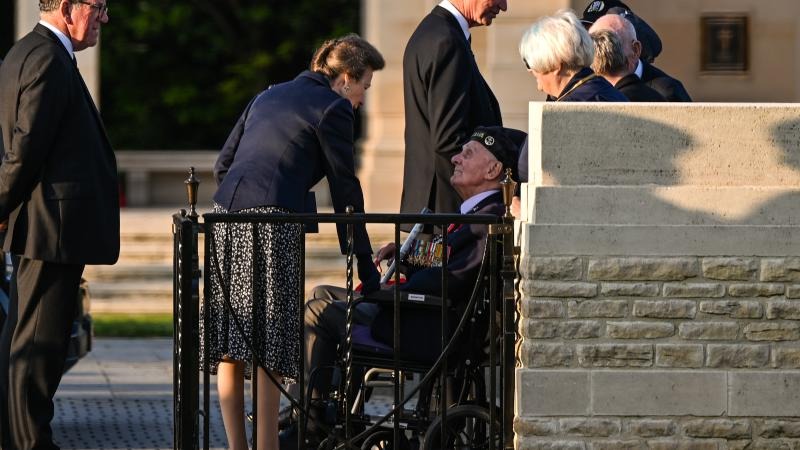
(596, 89)
(289, 137)
(467, 244)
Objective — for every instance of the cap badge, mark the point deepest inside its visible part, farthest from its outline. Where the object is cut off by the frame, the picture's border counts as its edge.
(595, 7)
(489, 141)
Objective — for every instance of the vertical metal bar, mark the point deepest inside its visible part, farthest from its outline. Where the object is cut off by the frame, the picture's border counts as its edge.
(509, 331)
(349, 335)
(254, 333)
(396, 337)
(176, 333)
(491, 316)
(445, 397)
(301, 288)
(187, 423)
(206, 376)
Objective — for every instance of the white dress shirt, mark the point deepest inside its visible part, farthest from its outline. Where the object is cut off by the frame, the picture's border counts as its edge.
(471, 203)
(61, 37)
(457, 14)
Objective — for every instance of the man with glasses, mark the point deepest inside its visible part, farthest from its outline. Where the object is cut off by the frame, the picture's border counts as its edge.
(59, 197)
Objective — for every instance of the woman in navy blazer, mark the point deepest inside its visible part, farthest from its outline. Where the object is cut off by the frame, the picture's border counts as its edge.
(289, 137)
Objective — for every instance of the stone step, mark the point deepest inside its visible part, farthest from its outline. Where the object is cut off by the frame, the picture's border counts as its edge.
(155, 296)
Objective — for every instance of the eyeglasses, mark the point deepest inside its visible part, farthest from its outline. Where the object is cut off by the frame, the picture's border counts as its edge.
(101, 8)
(527, 66)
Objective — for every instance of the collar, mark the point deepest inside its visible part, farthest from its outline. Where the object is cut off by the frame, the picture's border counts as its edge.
(639, 69)
(583, 75)
(61, 37)
(470, 205)
(462, 21)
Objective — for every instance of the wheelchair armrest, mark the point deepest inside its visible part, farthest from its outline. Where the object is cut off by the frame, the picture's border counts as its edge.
(407, 299)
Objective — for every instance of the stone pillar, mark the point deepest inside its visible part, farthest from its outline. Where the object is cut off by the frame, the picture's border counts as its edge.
(88, 60)
(660, 278)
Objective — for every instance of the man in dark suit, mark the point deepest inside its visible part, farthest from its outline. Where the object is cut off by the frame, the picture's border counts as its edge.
(59, 194)
(445, 98)
(670, 88)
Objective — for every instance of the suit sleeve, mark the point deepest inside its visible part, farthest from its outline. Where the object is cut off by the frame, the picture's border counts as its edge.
(335, 133)
(448, 90)
(228, 152)
(41, 104)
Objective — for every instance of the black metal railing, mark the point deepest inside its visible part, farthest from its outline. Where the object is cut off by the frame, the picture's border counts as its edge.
(498, 271)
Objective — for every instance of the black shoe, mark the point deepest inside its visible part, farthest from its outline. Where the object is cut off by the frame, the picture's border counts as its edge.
(287, 439)
(286, 417)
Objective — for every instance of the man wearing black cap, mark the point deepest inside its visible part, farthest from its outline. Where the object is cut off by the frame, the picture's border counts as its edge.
(669, 88)
(479, 168)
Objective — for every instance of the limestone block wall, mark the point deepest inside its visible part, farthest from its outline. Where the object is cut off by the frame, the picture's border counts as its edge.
(650, 323)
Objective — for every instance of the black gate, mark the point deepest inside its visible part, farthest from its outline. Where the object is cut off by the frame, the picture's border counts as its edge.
(446, 423)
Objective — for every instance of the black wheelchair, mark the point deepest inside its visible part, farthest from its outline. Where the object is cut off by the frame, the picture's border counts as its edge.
(451, 407)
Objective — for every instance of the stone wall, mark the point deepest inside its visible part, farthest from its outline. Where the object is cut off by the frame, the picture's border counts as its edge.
(647, 324)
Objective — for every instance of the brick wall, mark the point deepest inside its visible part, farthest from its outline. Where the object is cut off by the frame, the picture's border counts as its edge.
(659, 353)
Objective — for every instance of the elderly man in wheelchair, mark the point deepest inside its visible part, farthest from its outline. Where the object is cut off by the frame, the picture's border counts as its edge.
(478, 170)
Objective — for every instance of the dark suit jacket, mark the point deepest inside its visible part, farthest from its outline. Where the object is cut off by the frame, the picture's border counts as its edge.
(289, 137)
(58, 178)
(636, 91)
(669, 88)
(420, 329)
(467, 244)
(445, 98)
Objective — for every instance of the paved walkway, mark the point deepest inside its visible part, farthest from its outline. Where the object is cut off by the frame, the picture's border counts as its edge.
(120, 397)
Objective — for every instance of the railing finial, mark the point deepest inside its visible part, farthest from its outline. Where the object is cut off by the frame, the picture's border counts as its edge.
(192, 186)
(509, 186)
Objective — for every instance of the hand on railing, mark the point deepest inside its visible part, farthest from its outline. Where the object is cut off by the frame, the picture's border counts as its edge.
(368, 274)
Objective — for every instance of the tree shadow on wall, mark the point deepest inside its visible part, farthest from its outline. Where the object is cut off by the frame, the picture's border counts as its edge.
(661, 165)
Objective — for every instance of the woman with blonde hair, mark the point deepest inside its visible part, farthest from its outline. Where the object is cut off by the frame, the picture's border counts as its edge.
(289, 137)
(558, 51)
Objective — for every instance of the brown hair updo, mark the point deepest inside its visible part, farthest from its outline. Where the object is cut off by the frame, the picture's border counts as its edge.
(351, 55)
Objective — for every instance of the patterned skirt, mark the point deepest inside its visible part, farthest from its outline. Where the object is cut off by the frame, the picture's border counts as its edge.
(253, 296)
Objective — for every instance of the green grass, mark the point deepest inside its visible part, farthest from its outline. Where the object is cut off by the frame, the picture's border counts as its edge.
(132, 325)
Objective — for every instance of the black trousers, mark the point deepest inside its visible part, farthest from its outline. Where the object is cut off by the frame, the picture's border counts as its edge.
(33, 349)
(325, 323)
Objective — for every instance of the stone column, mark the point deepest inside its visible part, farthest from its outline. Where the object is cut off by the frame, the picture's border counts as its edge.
(88, 60)
(660, 278)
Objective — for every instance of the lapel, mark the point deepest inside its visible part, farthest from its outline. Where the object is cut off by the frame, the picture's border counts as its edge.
(47, 34)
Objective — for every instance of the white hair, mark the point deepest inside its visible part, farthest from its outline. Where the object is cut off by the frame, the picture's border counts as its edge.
(557, 40)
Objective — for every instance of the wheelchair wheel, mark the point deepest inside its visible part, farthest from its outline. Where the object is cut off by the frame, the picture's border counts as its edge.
(467, 427)
(384, 440)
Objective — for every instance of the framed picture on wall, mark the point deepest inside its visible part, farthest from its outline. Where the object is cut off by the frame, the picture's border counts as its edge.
(725, 43)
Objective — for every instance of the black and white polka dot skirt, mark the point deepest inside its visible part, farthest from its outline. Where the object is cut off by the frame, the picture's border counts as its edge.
(259, 272)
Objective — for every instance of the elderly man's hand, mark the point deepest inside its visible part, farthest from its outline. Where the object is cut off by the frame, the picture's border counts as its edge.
(386, 252)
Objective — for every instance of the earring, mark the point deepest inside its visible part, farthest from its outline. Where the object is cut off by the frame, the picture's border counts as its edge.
(346, 89)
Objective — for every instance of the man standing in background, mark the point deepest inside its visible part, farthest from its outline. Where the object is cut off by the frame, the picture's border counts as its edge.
(59, 194)
(445, 98)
